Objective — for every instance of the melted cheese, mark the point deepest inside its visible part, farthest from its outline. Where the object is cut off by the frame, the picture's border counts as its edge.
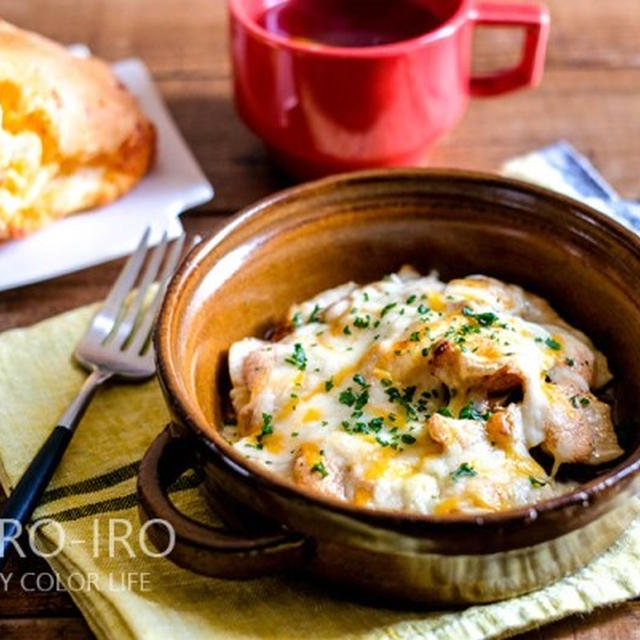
(412, 394)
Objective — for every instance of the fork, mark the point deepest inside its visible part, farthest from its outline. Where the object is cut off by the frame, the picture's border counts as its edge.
(117, 344)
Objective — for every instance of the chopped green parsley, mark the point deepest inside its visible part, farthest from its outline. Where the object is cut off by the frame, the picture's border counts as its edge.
(267, 426)
(483, 319)
(359, 378)
(388, 437)
(470, 412)
(319, 467)
(314, 317)
(354, 400)
(577, 401)
(347, 397)
(387, 308)
(267, 429)
(404, 399)
(465, 470)
(553, 344)
(298, 358)
(362, 323)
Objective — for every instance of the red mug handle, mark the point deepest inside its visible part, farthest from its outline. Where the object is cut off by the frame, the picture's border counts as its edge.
(535, 20)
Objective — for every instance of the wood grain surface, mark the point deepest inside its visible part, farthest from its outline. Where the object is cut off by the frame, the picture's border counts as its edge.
(590, 96)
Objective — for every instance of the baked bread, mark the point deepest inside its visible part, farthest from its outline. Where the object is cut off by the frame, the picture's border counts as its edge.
(71, 136)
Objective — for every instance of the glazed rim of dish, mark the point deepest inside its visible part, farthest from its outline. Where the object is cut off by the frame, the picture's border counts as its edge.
(185, 408)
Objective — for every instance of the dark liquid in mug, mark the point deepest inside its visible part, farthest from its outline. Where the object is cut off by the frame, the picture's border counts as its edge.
(350, 23)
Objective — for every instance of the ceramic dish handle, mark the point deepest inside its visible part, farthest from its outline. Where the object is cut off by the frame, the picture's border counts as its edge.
(211, 551)
(534, 19)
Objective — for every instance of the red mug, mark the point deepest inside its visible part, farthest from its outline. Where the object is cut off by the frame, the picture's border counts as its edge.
(323, 109)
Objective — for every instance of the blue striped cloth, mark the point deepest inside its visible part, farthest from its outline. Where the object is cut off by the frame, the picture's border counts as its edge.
(560, 162)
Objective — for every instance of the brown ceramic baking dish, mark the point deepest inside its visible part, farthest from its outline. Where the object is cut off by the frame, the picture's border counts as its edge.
(360, 226)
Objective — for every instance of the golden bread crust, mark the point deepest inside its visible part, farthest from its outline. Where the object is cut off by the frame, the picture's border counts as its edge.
(71, 136)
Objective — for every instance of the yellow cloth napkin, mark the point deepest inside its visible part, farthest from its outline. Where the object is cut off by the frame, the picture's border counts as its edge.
(141, 597)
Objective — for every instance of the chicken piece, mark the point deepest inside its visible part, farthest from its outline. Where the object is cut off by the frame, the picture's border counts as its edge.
(580, 360)
(319, 470)
(488, 369)
(570, 376)
(512, 299)
(578, 428)
(604, 442)
(501, 428)
(500, 296)
(327, 306)
(407, 273)
(238, 370)
(250, 366)
(538, 310)
(465, 369)
(341, 466)
(448, 432)
(589, 362)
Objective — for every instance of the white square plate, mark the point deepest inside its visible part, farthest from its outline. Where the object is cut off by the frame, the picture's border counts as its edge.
(174, 184)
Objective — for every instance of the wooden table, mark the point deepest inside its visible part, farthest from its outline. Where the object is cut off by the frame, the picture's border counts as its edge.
(590, 96)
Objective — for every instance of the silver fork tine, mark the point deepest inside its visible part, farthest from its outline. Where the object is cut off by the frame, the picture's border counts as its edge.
(146, 324)
(127, 325)
(106, 317)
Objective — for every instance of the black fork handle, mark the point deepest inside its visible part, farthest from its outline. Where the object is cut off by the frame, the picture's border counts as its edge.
(25, 497)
